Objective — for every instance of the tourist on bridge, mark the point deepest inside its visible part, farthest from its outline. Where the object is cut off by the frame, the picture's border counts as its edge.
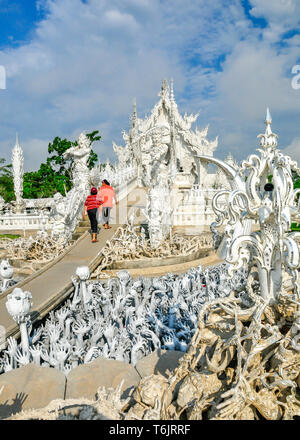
(106, 194)
(91, 206)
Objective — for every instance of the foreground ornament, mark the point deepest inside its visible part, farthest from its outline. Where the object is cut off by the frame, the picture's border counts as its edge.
(274, 248)
(18, 305)
(243, 360)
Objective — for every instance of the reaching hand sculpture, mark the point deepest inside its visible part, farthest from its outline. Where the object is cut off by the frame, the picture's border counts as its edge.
(124, 319)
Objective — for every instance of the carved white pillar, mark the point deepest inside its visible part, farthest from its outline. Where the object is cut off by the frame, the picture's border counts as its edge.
(18, 172)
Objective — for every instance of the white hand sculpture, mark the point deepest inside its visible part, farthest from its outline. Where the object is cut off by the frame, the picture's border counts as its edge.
(36, 354)
(22, 358)
(54, 334)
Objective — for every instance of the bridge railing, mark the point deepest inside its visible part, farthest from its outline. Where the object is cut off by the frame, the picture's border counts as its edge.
(23, 221)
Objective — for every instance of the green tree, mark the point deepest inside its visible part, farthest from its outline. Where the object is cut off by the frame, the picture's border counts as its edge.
(296, 180)
(55, 175)
(59, 146)
(5, 169)
(6, 181)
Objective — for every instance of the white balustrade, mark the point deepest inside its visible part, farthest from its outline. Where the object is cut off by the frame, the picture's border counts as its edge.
(24, 221)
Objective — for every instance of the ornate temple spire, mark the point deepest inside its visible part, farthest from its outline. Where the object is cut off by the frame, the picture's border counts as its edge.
(134, 114)
(18, 171)
(172, 100)
(269, 139)
(172, 91)
(164, 92)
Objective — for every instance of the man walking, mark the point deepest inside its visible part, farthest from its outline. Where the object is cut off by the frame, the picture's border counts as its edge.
(106, 194)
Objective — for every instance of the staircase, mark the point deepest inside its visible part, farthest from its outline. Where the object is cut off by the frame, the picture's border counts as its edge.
(83, 226)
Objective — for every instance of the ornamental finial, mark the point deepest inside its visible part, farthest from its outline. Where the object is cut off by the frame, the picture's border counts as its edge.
(164, 92)
(269, 139)
(134, 114)
(172, 91)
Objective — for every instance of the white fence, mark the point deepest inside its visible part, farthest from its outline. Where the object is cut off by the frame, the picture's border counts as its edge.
(118, 177)
(11, 222)
(196, 207)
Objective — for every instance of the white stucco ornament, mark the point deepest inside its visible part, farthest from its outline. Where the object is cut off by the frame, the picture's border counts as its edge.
(273, 204)
(83, 272)
(6, 274)
(18, 304)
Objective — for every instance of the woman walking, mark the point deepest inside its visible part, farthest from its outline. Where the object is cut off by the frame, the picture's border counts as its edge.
(91, 207)
(106, 193)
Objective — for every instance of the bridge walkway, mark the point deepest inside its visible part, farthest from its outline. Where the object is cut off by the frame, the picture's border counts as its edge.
(52, 284)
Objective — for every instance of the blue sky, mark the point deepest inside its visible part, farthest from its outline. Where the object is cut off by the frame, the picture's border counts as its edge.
(74, 65)
(17, 21)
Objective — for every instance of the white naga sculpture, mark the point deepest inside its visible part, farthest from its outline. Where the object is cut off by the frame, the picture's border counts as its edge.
(18, 172)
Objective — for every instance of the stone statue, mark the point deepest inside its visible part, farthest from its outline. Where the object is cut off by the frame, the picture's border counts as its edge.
(66, 211)
(123, 155)
(58, 214)
(80, 154)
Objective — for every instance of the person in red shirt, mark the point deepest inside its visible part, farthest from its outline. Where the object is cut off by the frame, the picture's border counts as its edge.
(90, 207)
(106, 193)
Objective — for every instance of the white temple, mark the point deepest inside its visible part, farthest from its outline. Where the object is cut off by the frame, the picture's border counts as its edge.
(161, 155)
(163, 148)
(166, 137)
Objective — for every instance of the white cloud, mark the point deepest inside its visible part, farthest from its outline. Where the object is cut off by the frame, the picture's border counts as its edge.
(281, 16)
(293, 150)
(116, 18)
(87, 61)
